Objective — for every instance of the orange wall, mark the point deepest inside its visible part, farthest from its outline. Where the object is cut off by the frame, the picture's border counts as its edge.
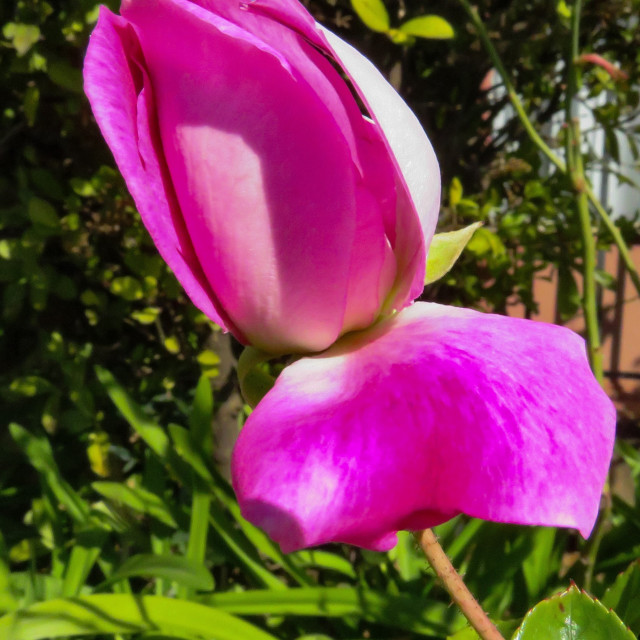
(620, 327)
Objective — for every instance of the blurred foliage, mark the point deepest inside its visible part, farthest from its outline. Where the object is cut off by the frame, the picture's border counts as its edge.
(109, 488)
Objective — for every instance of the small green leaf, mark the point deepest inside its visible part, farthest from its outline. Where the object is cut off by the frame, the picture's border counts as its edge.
(623, 596)
(431, 27)
(30, 386)
(572, 614)
(22, 36)
(127, 287)
(148, 315)
(486, 243)
(172, 345)
(563, 9)
(455, 192)
(445, 249)
(173, 568)
(136, 498)
(397, 37)
(568, 297)
(605, 279)
(30, 104)
(373, 13)
(209, 361)
(42, 213)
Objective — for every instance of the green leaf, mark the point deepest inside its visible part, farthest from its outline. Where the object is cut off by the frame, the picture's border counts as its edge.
(172, 345)
(30, 386)
(148, 315)
(325, 560)
(568, 296)
(505, 627)
(126, 614)
(201, 417)
(410, 613)
(431, 27)
(22, 36)
(43, 214)
(623, 596)
(572, 615)
(40, 454)
(210, 363)
(188, 450)
(373, 13)
(152, 433)
(445, 249)
(540, 563)
(127, 287)
(455, 192)
(138, 499)
(30, 104)
(563, 9)
(84, 555)
(486, 243)
(174, 568)
(407, 561)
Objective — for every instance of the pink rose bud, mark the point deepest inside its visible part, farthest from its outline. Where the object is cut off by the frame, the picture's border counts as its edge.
(288, 215)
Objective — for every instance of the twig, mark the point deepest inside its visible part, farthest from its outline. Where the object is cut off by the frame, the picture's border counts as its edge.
(456, 587)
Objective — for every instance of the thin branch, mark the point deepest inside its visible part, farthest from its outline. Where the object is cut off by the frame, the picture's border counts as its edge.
(456, 587)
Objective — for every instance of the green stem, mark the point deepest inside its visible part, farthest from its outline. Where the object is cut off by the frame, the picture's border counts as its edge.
(511, 92)
(613, 229)
(579, 182)
(544, 147)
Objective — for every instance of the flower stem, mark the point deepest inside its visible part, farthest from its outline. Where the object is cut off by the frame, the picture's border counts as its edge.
(579, 182)
(456, 587)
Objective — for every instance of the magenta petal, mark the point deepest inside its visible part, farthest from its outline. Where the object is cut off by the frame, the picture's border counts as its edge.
(435, 412)
(120, 95)
(264, 154)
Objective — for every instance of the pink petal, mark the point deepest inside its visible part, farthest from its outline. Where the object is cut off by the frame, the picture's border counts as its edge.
(272, 168)
(436, 412)
(121, 98)
(418, 170)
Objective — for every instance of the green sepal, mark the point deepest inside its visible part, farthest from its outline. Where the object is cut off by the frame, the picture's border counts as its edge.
(445, 249)
(253, 375)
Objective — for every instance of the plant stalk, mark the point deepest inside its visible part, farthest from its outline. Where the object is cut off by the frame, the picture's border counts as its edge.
(545, 148)
(456, 587)
(578, 183)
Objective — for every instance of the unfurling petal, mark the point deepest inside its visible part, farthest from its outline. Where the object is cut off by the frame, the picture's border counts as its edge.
(119, 90)
(289, 216)
(436, 412)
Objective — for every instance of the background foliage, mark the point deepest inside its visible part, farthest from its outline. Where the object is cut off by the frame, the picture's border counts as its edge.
(111, 481)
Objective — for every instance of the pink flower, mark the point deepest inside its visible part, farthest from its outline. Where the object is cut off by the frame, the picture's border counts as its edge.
(292, 219)
(288, 216)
